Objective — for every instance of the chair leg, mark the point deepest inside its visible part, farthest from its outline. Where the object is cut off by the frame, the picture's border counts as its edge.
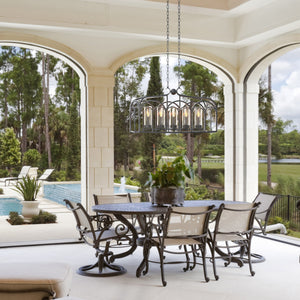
(187, 259)
(211, 245)
(249, 257)
(203, 254)
(195, 253)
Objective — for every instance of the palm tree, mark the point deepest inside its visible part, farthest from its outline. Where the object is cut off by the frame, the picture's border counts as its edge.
(266, 116)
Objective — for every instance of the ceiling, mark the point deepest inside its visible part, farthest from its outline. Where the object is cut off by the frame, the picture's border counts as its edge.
(102, 32)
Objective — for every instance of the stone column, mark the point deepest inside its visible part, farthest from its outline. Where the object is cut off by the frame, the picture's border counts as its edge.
(100, 140)
(251, 141)
(241, 142)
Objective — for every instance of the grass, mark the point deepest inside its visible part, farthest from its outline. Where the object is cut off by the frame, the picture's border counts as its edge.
(279, 170)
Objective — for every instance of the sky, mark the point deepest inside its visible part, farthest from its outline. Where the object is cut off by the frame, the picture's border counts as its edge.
(286, 87)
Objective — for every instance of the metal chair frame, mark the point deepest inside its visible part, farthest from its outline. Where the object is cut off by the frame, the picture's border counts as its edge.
(262, 213)
(160, 236)
(239, 234)
(95, 237)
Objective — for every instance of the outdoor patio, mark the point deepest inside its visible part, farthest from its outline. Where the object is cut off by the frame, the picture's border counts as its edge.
(276, 278)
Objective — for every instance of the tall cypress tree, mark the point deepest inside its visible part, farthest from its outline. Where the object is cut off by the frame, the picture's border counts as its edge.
(151, 141)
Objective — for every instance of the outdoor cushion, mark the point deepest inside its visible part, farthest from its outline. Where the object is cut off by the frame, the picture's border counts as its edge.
(34, 281)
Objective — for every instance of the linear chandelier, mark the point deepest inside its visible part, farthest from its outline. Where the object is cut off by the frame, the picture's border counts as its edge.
(172, 112)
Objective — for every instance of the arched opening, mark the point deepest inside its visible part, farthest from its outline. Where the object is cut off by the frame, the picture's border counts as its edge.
(251, 89)
(229, 93)
(83, 103)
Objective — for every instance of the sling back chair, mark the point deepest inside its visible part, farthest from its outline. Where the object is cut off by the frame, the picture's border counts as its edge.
(262, 215)
(45, 175)
(23, 173)
(99, 238)
(233, 228)
(185, 227)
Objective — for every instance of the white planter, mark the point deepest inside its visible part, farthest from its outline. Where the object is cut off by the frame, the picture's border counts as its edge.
(30, 209)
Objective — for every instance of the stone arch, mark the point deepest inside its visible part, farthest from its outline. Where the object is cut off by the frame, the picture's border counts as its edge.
(65, 54)
(227, 75)
(250, 74)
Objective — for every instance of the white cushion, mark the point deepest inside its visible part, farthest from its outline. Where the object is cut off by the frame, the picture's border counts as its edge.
(33, 280)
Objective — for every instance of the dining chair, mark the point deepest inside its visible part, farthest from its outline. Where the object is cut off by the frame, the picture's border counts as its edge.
(184, 227)
(263, 212)
(100, 238)
(233, 229)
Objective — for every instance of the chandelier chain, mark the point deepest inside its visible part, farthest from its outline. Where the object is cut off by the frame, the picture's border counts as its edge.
(179, 36)
(168, 43)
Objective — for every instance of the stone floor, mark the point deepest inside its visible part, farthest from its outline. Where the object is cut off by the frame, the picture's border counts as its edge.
(277, 278)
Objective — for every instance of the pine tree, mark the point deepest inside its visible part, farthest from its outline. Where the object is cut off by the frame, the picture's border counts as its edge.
(151, 141)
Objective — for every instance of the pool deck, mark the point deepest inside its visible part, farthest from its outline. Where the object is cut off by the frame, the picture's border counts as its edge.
(61, 231)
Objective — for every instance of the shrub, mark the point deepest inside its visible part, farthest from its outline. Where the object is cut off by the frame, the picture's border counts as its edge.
(3, 173)
(212, 174)
(15, 218)
(59, 175)
(1, 191)
(31, 158)
(43, 217)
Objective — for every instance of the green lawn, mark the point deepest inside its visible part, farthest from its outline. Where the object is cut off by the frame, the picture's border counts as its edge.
(279, 170)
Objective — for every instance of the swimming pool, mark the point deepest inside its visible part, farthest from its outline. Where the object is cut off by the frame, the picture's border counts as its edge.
(71, 191)
(9, 204)
(54, 192)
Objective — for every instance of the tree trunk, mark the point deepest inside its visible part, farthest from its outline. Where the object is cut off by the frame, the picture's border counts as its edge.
(199, 168)
(190, 148)
(46, 103)
(269, 158)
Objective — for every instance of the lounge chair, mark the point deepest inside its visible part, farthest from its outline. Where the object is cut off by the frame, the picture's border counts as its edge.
(24, 171)
(46, 174)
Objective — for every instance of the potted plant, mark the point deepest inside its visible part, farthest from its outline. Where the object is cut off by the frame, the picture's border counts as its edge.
(28, 188)
(168, 181)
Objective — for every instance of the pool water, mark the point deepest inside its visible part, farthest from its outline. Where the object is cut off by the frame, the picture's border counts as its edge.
(9, 204)
(54, 192)
(72, 191)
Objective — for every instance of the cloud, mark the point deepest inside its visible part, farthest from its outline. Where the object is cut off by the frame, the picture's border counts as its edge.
(286, 87)
(287, 99)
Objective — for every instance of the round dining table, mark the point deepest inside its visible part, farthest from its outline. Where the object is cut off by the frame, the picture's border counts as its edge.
(145, 212)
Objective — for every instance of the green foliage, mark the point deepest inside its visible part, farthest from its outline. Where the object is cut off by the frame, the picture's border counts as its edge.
(43, 217)
(171, 145)
(10, 154)
(128, 80)
(21, 97)
(171, 174)
(133, 182)
(15, 218)
(196, 193)
(201, 192)
(31, 158)
(1, 191)
(59, 175)
(28, 188)
(213, 174)
(150, 142)
(287, 186)
(3, 173)
(73, 157)
(220, 178)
